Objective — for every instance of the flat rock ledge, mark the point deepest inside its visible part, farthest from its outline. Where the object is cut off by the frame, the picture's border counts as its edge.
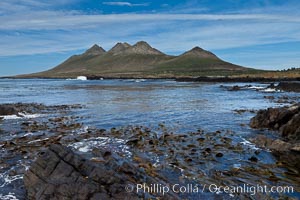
(59, 173)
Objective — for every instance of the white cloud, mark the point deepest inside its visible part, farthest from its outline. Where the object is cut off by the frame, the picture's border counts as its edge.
(122, 3)
(168, 36)
(51, 20)
(27, 28)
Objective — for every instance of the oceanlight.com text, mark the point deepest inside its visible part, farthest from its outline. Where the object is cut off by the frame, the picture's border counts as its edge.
(211, 188)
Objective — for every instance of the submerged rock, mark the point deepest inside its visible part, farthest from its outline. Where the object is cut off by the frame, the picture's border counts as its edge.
(19, 108)
(286, 152)
(235, 88)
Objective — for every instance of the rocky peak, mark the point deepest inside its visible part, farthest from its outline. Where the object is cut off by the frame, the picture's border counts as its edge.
(199, 52)
(142, 44)
(94, 50)
(143, 47)
(119, 47)
(197, 49)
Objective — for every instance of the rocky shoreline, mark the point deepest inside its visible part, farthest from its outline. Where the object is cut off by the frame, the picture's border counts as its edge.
(285, 121)
(236, 79)
(59, 158)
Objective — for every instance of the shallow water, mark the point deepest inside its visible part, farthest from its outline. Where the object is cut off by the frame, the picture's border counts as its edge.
(180, 106)
(114, 103)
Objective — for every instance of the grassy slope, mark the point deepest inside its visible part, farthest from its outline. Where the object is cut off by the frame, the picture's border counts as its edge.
(189, 65)
(125, 63)
(138, 65)
(142, 66)
(107, 64)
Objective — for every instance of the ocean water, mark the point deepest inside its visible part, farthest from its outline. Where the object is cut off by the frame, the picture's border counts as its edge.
(115, 103)
(180, 106)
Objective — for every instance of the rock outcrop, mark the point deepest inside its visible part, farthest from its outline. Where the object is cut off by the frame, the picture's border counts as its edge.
(290, 86)
(59, 173)
(285, 119)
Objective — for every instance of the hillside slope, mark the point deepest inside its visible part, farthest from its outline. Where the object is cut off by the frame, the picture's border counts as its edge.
(140, 60)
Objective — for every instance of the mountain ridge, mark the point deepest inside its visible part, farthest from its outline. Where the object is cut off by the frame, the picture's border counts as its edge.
(140, 60)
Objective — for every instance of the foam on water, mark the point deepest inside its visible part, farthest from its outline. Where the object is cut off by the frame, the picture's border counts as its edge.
(5, 179)
(9, 196)
(20, 116)
(257, 87)
(271, 90)
(249, 144)
(88, 145)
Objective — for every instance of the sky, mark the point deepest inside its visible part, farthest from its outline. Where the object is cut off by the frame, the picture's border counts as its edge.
(37, 35)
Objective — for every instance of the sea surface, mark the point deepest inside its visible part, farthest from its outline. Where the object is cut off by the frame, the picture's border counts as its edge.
(113, 103)
(180, 106)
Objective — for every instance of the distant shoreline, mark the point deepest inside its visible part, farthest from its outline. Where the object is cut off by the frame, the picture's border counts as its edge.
(179, 79)
(236, 79)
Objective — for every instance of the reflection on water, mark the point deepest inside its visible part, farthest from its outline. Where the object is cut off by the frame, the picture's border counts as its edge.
(115, 103)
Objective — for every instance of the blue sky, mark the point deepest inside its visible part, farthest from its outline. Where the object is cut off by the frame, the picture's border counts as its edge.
(37, 34)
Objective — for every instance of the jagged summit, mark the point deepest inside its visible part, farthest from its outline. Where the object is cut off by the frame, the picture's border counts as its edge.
(119, 47)
(201, 53)
(94, 50)
(142, 47)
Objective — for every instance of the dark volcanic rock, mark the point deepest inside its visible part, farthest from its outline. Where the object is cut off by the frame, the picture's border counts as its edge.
(284, 119)
(7, 109)
(59, 173)
(291, 86)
